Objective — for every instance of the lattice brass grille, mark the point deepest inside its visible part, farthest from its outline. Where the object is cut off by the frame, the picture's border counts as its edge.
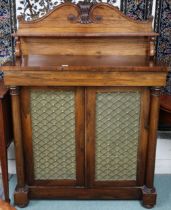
(53, 134)
(117, 135)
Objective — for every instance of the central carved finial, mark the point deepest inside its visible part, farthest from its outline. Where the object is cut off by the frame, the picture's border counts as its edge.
(85, 17)
(85, 10)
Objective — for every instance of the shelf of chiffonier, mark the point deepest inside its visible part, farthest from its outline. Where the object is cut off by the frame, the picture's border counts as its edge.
(86, 63)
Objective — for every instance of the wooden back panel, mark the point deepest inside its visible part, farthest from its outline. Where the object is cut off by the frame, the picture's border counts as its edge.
(72, 29)
(99, 46)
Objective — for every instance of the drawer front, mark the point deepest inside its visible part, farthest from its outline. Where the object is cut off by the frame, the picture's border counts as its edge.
(55, 142)
(119, 135)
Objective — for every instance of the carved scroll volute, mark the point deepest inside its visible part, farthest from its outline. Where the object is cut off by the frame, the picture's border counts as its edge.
(18, 52)
(152, 47)
(18, 48)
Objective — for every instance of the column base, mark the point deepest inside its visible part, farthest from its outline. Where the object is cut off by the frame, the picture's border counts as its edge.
(21, 197)
(148, 197)
(7, 200)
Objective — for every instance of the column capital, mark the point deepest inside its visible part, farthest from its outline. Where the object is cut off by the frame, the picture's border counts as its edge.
(156, 91)
(14, 90)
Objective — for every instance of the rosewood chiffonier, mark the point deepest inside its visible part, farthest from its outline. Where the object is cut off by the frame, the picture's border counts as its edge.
(85, 96)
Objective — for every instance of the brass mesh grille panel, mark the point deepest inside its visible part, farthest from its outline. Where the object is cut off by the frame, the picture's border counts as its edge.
(117, 135)
(53, 134)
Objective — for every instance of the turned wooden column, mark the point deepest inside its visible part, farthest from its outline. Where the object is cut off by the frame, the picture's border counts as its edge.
(3, 150)
(149, 193)
(20, 195)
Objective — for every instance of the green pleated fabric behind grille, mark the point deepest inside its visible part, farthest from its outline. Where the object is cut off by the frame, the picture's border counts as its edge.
(53, 134)
(117, 135)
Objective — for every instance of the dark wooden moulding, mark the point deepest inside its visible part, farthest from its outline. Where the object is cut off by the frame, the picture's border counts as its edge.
(85, 49)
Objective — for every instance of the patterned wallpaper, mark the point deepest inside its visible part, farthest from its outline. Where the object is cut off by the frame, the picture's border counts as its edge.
(7, 27)
(139, 10)
(163, 26)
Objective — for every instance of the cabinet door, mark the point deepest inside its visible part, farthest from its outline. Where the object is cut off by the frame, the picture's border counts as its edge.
(116, 136)
(53, 135)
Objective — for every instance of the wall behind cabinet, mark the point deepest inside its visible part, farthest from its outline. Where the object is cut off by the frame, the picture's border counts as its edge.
(7, 27)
